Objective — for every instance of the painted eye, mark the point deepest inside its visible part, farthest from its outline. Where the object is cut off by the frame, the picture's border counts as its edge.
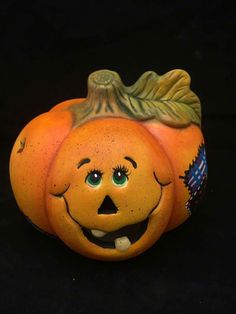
(94, 178)
(119, 178)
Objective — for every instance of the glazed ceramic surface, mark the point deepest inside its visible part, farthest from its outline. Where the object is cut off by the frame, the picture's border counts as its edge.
(110, 173)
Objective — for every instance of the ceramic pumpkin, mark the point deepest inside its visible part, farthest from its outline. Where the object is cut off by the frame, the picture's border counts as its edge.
(110, 173)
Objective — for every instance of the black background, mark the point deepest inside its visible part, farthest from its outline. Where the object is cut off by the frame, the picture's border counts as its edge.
(48, 49)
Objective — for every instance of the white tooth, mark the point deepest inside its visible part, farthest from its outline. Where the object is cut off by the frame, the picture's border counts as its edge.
(98, 233)
(122, 243)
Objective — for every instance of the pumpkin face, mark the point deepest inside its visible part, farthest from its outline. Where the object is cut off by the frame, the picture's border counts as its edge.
(114, 188)
(108, 183)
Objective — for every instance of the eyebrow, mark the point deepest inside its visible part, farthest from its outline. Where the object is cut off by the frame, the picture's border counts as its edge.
(134, 164)
(82, 162)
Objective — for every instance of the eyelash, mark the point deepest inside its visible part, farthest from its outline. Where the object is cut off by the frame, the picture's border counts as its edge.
(123, 169)
(95, 170)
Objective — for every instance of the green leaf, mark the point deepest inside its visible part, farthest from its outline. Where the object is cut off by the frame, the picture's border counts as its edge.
(167, 98)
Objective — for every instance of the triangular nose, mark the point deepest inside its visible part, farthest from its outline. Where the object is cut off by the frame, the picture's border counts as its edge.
(107, 207)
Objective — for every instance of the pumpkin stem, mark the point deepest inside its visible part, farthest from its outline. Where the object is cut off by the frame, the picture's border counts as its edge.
(165, 98)
(105, 89)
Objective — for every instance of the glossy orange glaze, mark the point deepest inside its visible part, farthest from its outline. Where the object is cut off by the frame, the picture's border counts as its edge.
(29, 168)
(181, 146)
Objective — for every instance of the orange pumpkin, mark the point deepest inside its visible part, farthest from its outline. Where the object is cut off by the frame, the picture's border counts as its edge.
(109, 174)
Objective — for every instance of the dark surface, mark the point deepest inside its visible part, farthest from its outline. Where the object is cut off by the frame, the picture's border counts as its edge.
(48, 49)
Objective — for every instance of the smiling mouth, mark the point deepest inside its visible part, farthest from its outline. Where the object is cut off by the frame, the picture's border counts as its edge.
(120, 239)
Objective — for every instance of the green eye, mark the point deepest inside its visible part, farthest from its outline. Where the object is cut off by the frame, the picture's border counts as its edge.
(94, 178)
(119, 178)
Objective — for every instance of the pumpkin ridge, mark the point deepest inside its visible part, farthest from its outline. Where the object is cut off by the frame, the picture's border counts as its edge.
(48, 173)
